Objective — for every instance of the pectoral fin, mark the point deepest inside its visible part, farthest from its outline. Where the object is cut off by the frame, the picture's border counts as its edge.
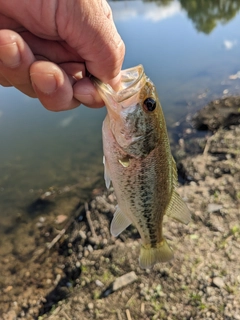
(106, 173)
(119, 223)
(178, 210)
(124, 162)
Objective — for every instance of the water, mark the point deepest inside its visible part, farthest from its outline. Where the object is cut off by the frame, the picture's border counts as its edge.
(188, 48)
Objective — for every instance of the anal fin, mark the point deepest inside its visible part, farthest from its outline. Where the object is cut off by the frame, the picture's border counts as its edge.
(178, 210)
(119, 222)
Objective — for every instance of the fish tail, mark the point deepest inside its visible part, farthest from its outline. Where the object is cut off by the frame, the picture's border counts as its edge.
(149, 256)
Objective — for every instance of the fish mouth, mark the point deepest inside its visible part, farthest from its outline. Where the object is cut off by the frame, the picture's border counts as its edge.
(132, 80)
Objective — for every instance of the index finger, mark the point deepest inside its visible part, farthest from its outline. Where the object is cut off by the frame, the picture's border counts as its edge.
(88, 27)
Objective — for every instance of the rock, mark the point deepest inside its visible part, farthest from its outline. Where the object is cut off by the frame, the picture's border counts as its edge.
(90, 305)
(11, 315)
(42, 219)
(99, 283)
(7, 289)
(120, 283)
(218, 282)
(60, 218)
(82, 234)
(213, 207)
(124, 280)
(218, 113)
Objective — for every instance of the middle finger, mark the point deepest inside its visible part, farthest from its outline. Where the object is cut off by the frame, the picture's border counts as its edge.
(15, 61)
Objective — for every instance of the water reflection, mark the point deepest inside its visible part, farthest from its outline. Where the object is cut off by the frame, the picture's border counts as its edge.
(125, 10)
(205, 15)
(40, 149)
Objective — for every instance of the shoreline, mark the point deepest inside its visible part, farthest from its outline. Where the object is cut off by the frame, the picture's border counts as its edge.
(66, 266)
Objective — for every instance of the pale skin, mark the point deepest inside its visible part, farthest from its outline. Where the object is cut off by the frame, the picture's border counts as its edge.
(48, 48)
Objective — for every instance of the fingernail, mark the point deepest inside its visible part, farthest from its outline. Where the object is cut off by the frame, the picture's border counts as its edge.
(45, 83)
(9, 55)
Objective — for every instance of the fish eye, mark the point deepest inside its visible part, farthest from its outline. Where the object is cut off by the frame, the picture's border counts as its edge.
(149, 104)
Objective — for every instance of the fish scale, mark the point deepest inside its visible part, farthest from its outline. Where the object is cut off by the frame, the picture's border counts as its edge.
(138, 162)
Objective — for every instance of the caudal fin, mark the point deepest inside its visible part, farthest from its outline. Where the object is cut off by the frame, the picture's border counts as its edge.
(150, 256)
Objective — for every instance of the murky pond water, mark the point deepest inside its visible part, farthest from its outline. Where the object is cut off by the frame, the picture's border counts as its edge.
(188, 48)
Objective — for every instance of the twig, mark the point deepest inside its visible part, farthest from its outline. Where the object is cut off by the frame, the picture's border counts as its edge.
(61, 233)
(208, 144)
(119, 315)
(88, 216)
(64, 314)
(55, 240)
(128, 314)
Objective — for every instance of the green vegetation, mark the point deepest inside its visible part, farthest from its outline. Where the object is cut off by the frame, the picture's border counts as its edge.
(235, 230)
(160, 2)
(196, 300)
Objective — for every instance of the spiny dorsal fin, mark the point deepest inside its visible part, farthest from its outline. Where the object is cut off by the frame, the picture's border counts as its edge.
(178, 210)
(119, 222)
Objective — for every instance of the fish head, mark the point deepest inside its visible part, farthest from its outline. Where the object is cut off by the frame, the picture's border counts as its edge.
(134, 112)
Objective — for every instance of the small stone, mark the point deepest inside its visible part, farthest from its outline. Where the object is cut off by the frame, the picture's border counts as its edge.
(39, 225)
(120, 283)
(111, 198)
(105, 241)
(46, 194)
(60, 218)
(213, 207)
(124, 280)
(90, 248)
(82, 234)
(93, 240)
(99, 283)
(90, 306)
(58, 278)
(188, 131)
(11, 315)
(7, 289)
(42, 219)
(218, 282)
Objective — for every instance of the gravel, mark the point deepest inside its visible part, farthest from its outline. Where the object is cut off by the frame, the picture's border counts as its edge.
(68, 280)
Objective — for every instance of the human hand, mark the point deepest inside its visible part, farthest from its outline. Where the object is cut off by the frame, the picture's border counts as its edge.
(48, 47)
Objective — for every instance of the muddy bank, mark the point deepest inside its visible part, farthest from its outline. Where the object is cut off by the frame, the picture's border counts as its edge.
(66, 265)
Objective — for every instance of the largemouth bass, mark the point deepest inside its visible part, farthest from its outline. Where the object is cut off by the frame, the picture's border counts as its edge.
(138, 161)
